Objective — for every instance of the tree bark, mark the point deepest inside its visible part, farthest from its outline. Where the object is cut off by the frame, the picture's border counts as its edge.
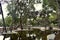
(44, 36)
(57, 37)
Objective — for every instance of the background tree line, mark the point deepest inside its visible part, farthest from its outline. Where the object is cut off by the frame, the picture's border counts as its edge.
(23, 13)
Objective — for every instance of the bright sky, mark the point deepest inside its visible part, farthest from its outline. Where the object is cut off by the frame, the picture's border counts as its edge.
(4, 10)
(38, 6)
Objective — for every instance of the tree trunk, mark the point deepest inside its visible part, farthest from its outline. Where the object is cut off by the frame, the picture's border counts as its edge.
(57, 37)
(44, 36)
